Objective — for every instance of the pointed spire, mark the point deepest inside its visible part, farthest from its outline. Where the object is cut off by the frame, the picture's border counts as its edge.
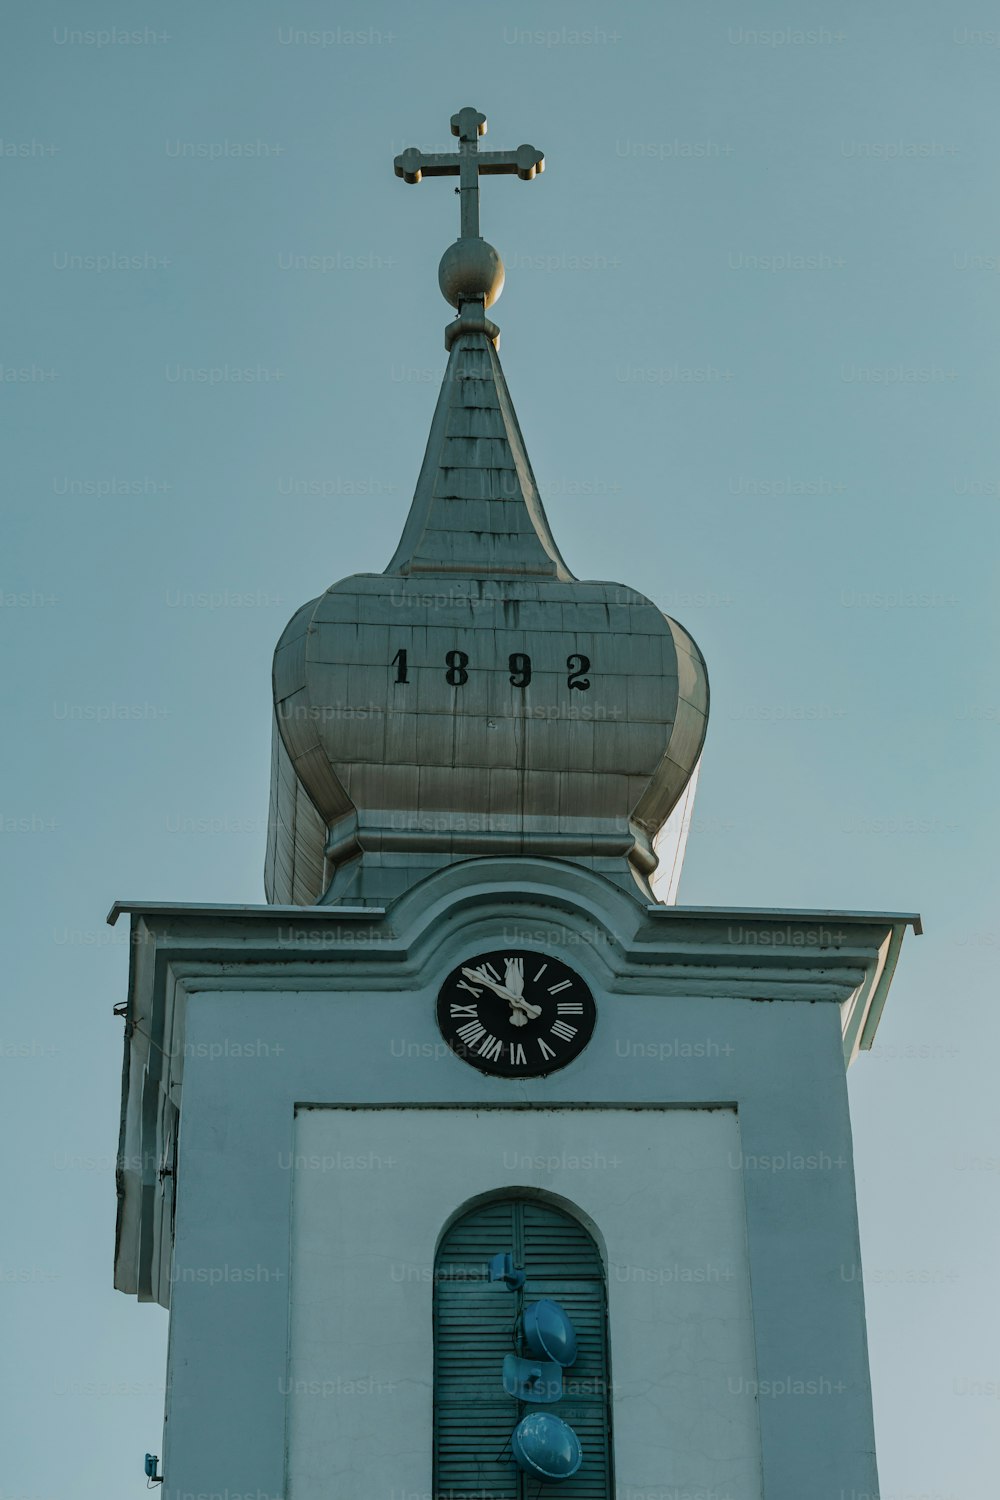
(476, 508)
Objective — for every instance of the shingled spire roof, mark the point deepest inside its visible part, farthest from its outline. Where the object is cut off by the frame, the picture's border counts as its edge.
(476, 507)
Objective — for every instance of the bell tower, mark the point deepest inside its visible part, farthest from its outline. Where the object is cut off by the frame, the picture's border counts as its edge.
(471, 1164)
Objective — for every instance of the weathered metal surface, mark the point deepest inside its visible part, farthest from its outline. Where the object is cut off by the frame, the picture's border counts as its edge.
(476, 698)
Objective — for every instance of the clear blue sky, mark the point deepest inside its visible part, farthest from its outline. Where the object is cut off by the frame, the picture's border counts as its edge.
(800, 203)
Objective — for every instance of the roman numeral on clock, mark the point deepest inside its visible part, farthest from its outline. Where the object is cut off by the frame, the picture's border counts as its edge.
(570, 1007)
(564, 984)
(471, 1033)
(464, 1010)
(546, 1050)
(491, 1048)
(563, 1029)
(517, 1057)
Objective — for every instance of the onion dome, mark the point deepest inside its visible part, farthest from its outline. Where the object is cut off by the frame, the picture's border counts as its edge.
(476, 698)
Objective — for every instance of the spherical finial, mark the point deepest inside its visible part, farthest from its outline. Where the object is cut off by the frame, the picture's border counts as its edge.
(470, 269)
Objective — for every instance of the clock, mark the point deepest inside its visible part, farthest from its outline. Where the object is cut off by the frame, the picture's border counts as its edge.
(515, 1014)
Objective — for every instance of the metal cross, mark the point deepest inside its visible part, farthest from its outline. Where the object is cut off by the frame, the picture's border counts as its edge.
(467, 163)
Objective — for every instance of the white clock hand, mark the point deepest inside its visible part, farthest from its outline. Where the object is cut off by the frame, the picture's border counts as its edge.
(515, 975)
(479, 976)
(515, 984)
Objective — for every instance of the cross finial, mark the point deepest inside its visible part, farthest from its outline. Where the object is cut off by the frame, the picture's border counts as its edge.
(471, 272)
(467, 164)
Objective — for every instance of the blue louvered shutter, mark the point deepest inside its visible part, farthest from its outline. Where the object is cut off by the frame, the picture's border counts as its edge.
(474, 1328)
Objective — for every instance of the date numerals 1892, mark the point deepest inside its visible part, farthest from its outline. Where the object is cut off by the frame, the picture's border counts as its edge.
(456, 669)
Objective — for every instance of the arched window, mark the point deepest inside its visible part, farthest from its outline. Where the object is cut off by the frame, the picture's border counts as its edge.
(474, 1327)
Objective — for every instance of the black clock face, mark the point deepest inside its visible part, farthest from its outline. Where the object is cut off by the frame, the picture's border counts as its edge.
(516, 1014)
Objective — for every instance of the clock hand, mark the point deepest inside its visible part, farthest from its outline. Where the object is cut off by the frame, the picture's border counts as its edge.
(515, 984)
(515, 975)
(479, 976)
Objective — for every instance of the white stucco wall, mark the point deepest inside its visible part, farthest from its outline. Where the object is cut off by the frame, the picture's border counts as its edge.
(661, 1189)
(351, 1032)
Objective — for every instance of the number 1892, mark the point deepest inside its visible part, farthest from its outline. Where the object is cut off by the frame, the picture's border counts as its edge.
(456, 669)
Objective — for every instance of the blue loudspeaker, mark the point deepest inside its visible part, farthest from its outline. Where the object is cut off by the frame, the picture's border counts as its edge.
(546, 1446)
(502, 1269)
(548, 1332)
(532, 1380)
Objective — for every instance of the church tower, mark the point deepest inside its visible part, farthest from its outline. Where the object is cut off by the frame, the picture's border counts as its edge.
(472, 1165)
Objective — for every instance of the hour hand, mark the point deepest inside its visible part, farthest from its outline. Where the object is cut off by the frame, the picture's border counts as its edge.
(515, 985)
